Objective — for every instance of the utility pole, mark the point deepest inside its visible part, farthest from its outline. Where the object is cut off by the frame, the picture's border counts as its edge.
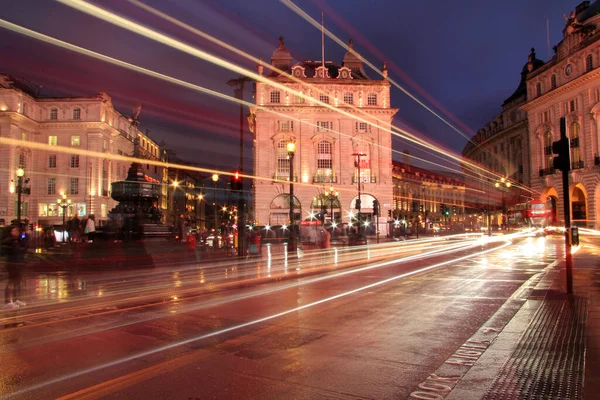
(358, 201)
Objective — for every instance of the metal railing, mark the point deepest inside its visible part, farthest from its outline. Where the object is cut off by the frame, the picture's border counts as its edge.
(577, 164)
(547, 171)
(364, 179)
(285, 178)
(324, 179)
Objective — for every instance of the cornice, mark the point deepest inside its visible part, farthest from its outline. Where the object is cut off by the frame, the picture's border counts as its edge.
(316, 109)
(553, 94)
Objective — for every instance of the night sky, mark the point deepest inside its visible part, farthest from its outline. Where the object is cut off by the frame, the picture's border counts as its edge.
(461, 57)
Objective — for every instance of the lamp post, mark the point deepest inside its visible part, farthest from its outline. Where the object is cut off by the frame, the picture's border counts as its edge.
(20, 173)
(291, 149)
(175, 186)
(331, 195)
(200, 197)
(63, 202)
(215, 179)
(358, 201)
(504, 183)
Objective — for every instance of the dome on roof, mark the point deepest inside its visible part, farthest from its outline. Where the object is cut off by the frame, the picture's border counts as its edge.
(590, 12)
(281, 58)
(351, 57)
(531, 65)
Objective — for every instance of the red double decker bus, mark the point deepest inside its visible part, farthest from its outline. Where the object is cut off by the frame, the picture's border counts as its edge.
(532, 213)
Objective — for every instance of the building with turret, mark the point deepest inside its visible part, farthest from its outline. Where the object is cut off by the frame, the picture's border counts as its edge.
(339, 120)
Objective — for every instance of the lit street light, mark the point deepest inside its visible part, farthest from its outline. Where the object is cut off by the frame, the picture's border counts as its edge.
(20, 173)
(291, 149)
(64, 203)
(215, 179)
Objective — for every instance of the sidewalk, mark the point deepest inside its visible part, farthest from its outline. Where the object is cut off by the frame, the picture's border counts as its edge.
(550, 348)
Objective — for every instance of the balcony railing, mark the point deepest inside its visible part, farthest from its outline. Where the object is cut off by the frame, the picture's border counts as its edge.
(364, 179)
(577, 164)
(574, 142)
(324, 179)
(548, 150)
(285, 178)
(547, 171)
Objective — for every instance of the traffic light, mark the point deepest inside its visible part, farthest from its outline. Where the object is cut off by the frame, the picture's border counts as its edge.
(443, 209)
(420, 207)
(453, 209)
(358, 204)
(376, 207)
(562, 149)
(236, 181)
(446, 212)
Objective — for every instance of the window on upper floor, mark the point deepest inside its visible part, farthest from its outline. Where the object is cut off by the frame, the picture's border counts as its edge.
(348, 98)
(53, 140)
(539, 88)
(285, 126)
(573, 105)
(51, 188)
(77, 113)
(22, 161)
(283, 161)
(324, 157)
(275, 96)
(299, 99)
(364, 162)
(553, 81)
(362, 127)
(589, 63)
(54, 113)
(324, 98)
(75, 140)
(25, 109)
(371, 99)
(324, 126)
(24, 135)
(74, 186)
(74, 161)
(52, 161)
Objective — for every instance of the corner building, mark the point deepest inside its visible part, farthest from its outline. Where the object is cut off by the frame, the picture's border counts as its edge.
(569, 86)
(327, 140)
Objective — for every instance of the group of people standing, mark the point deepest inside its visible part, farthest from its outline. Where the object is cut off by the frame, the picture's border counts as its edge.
(82, 230)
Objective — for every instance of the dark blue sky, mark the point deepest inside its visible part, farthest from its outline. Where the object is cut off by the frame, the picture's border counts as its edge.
(465, 54)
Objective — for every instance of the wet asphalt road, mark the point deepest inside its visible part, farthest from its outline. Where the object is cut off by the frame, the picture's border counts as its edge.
(340, 324)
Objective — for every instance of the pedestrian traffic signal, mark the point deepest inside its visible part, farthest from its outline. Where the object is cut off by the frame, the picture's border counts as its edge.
(376, 207)
(562, 149)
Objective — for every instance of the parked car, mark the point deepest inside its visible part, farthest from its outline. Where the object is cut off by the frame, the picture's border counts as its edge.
(356, 239)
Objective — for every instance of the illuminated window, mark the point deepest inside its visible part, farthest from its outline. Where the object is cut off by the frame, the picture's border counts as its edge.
(372, 99)
(23, 135)
(283, 161)
(324, 98)
(53, 113)
(275, 96)
(22, 160)
(74, 186)
(77, 113)
(365, 162)
(75, 140)
(324, 158)
(299, 99)
(74, 161)
(575, 152)
(51, 186)
(348, 98)
(52, 161)
(53, 140)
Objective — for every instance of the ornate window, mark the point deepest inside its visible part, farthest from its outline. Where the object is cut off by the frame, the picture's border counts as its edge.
(348, 98)
(77, 113)
(363, 161)
(22, 161)
(553, 81)
(589, 63)
(283, 161)
(75, 140)
(53, 113)
(324, 98)
(52, 140)
(324, 162)
(575, 152)
(275, 96)
(371, 99)
(324, 126)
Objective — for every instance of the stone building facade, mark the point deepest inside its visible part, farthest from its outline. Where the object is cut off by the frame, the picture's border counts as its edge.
(51, 140)
(332, 113)
(569, 86)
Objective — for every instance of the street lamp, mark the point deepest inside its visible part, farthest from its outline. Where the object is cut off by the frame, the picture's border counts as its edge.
(331, 195)
(20, 173)
(202, 216)
(358, 201)
(291, 149)
(504, 183)
(175, 186)
(215, 179)
(64, 203)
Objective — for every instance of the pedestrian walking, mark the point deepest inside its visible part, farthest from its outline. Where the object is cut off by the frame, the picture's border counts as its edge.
(74, 229)
(90, 228)
(14, 246)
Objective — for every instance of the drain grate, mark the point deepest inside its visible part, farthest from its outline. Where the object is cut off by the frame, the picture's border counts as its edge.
(548, 362)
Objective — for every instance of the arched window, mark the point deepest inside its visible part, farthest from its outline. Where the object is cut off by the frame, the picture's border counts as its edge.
(371, 99)
(275, 96)
(77, 113)
(553, 81)
(348, 98)
(539, 88)
(283, 161)
(589, 63)
(324, 162)
(53, 113)
(22, 161)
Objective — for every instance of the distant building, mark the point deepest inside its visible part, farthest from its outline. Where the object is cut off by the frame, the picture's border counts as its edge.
(81, 124)
(569, 86)
(427, 198)
(326, 140)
